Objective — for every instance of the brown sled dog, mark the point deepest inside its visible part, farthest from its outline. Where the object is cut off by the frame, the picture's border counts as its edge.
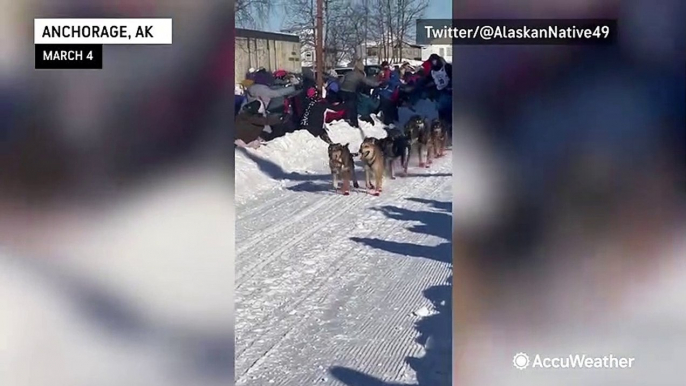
(342, 166)
(438, 140)
(373, 159)
(417, 133)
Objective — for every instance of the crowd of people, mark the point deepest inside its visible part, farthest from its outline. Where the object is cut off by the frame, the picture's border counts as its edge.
(270, 104)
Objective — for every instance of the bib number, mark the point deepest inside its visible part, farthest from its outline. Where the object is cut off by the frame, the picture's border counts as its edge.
(441, 79)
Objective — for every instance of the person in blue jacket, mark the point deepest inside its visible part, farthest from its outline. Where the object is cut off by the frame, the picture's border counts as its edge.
(332, 91)
(389, 95)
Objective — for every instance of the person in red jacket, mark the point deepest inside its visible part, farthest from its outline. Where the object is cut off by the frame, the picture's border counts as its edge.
(385, 73)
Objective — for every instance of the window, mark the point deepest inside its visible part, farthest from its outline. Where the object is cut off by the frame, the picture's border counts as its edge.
(450, 51)
(441, 51)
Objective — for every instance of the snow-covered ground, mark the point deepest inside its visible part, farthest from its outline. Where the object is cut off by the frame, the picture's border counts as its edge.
(340, 290)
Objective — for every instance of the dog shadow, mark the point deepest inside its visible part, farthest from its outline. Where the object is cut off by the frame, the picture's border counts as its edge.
(312, 187)
(412, 175)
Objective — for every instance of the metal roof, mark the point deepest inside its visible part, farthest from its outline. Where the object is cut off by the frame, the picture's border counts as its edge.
(249, 33)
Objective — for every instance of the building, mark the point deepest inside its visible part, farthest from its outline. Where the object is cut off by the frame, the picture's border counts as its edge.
(375, 52)
(443, 50)
(308, 53)
(270, 50)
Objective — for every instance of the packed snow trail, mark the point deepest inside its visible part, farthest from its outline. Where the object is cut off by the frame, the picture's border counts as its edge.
(326, 281)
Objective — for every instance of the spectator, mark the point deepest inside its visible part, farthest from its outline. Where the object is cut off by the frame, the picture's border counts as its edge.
(261, 91)
(385, 73)
(313, 119)
(352, 81)
(251, 122)
(389, 96)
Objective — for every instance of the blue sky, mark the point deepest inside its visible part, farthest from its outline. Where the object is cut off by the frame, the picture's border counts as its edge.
(436, 10)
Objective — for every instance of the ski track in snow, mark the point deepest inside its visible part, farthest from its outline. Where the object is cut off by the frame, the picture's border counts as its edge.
(312, 294)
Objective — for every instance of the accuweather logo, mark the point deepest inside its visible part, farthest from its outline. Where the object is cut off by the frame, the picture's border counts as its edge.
(522, 361)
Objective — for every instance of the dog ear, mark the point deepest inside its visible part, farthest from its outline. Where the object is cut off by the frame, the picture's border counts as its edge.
(347, 145)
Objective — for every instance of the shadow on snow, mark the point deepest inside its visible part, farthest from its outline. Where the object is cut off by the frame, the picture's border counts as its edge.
(276, 172)
(434, 331)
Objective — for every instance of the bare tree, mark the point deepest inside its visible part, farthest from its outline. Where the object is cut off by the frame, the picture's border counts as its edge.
(301, 20)
(252, 13)
(408, 13)
(348, 24)
(355, 34)
(377, 26)
(393, 23)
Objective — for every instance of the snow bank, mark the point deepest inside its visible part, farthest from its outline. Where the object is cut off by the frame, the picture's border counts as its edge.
(268, 167)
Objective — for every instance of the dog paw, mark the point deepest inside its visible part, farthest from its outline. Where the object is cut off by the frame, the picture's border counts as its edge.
(376, 193)
(346, 193)
(422, 164)
(427, 166)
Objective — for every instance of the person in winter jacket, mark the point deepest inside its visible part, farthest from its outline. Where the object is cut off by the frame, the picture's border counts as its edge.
(313, 117)
(261, 91)
(239, 100)
(251, 122)
(352, 81)
(438, 73)
(309, 80)
(333, 91)
(385, 73)
(389, 95)
(438, 80)
(263, 76)
(250, 73)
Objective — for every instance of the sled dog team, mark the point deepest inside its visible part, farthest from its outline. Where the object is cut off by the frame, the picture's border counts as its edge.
(379, 155)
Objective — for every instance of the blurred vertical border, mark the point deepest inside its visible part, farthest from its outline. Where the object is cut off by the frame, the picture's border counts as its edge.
(570, 174)
(116, 202)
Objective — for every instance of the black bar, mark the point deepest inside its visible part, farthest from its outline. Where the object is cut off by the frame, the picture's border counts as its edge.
(68, 56)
